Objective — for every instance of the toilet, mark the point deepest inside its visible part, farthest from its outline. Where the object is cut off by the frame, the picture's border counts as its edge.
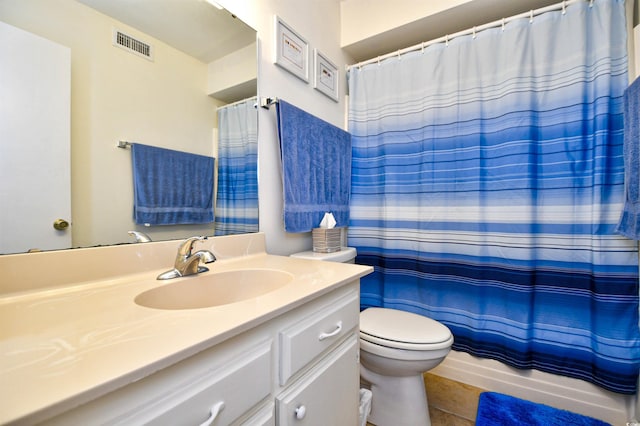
(396, 348)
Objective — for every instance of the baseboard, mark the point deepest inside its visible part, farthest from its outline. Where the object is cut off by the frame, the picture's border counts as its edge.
(557, 391)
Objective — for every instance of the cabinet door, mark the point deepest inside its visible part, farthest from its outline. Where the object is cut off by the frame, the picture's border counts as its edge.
(219, 398)
(327, 394)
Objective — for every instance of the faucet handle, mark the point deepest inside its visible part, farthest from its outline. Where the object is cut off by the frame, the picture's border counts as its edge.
(187, 245)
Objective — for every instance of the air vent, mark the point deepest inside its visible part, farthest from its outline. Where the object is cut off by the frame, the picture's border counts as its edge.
(132, 44)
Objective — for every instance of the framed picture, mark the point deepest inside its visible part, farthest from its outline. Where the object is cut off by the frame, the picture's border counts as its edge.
(326, 75)
(292, 50)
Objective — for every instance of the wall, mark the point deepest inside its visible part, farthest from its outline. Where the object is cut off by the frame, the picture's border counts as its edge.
(636, 38)
(319, 22)
(109, 105)
(380, 18)
(234, 76)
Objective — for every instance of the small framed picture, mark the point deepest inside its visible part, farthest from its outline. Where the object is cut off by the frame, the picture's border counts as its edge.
(326, 75)
(292, 50)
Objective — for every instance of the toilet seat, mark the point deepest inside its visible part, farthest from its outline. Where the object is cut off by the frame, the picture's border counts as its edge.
(403, 330)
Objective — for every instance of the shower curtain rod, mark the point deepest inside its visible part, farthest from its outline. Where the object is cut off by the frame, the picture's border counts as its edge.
(237, 102)
(499, 23)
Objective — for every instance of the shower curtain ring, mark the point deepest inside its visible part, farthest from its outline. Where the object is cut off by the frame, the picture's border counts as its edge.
(590, 3)
(502, 24)
(531, 16)
(564, 7)
(446, 40)
(474, 33)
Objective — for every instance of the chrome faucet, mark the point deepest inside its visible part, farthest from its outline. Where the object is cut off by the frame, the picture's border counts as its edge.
(140, 237)
(188, 263)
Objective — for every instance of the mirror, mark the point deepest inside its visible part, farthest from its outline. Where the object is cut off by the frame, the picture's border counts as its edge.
(202, 58)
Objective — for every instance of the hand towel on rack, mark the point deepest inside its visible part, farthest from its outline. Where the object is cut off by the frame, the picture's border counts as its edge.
(629, 224)
(316, 166)
(171, 187)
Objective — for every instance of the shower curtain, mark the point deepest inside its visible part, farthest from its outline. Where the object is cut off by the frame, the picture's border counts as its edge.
(487, 182)
(237, 194)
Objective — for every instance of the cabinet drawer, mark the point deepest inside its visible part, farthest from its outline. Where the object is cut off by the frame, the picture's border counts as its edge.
(308, 338)
(239, 385)
(264, 416)
(327, 394)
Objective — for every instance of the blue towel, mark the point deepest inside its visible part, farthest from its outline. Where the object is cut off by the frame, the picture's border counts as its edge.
(316, 164)
(629, 225)
(171, 187)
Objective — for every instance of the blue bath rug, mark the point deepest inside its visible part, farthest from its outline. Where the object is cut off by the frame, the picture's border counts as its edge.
(496, 409)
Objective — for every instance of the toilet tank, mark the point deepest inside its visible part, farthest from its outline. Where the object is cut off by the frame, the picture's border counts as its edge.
(345, 255)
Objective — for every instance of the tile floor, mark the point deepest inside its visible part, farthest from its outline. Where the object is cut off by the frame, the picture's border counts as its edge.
(442, 418)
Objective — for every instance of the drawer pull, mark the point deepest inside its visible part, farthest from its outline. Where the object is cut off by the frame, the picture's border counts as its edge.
(338, 329)
(301, 411)
(215, 410)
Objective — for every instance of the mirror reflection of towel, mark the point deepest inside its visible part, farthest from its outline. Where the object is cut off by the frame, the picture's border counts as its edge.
(316, 164)
(171, 187)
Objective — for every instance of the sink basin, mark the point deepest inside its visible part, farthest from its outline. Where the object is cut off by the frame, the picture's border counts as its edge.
(222, 288)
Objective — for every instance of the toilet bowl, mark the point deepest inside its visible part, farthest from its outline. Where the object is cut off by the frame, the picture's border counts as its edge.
(396, 348)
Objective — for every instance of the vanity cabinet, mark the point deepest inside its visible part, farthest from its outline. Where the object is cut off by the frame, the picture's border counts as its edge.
(297, 368)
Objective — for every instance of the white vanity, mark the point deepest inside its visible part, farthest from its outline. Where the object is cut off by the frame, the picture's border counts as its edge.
(86, 353)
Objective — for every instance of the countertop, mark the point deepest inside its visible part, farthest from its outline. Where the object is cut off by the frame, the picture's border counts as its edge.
(64, 346)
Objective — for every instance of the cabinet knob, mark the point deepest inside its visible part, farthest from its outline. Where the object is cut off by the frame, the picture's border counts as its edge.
(301, 411)
(213, 413)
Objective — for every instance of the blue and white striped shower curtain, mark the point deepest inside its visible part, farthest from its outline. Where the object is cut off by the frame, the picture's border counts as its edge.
(487, 182)
(237, 195)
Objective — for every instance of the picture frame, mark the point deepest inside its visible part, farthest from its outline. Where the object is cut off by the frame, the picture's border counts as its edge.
(292, 50)
(326, 75)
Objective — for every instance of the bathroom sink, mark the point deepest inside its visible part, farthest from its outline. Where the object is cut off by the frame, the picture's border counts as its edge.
(216, 289)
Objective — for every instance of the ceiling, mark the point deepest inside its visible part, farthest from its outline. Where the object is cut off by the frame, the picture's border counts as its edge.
(459, 18)
(194, 27)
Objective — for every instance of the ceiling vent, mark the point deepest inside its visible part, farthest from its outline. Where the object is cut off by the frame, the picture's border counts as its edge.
(132, 44)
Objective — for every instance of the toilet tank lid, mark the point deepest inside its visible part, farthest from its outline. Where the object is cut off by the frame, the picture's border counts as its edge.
(402, 326)
(344, 255)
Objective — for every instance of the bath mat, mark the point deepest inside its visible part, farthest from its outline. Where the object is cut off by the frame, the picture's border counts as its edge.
(495, 409)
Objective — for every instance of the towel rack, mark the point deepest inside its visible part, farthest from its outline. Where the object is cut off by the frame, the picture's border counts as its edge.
(267, 102)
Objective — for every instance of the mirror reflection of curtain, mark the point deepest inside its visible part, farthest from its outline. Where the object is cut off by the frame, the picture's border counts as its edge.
(237, 196)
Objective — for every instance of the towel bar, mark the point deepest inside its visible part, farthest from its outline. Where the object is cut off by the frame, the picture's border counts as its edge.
(267, 102)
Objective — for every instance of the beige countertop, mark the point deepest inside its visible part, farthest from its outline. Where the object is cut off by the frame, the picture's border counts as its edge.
(63, 346)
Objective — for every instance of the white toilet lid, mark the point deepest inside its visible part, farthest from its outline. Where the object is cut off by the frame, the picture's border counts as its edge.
(402, 329)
